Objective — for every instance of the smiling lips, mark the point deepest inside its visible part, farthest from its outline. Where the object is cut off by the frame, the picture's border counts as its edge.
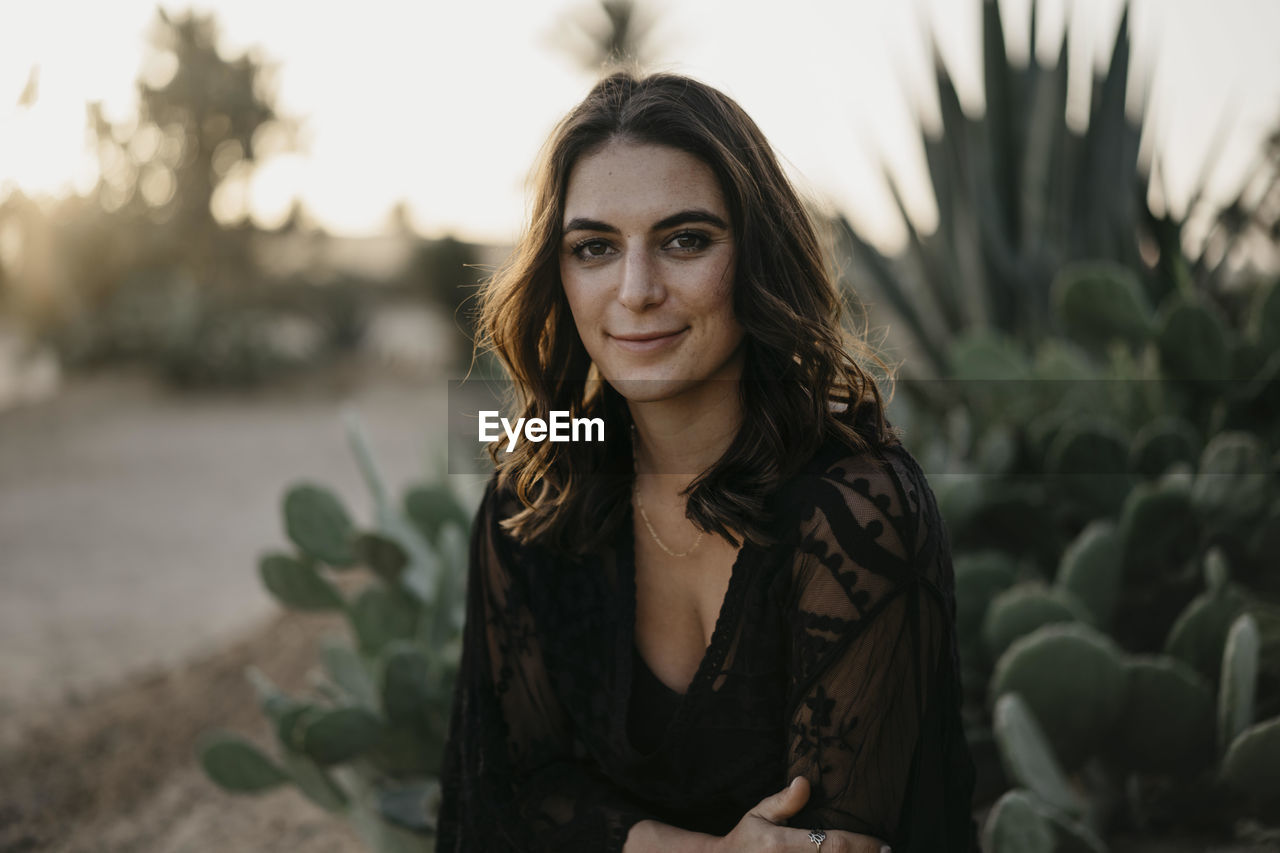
(647, 341)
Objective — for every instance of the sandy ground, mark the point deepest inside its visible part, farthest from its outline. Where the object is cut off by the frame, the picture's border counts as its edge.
(117, 773)
(131, 519)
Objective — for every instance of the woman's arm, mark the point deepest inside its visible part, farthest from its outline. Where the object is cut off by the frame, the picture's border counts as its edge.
(512, 780)
(868, 635)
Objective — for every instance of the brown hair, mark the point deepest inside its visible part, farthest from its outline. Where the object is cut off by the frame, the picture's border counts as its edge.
(798, 360)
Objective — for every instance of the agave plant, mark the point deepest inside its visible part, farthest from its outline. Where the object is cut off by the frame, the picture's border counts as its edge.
(1021, 193)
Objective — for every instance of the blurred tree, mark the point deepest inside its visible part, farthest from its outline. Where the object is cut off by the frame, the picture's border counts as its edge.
(446, 270)
(184, 161)
(606, 36)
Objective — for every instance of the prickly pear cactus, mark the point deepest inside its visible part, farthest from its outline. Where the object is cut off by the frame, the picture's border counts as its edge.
(367, 742)
(1098, 303)
(1092, 570)
(1166, 703)
(1023, 608)
(1200, 632)
(1089, 458)
(1192, 339)
(1232, 484)
(1021, 821)
(1015, 825)
(1239, 680)
(1074, 681)
(319, 524)
(1027, 757)
(1163, 442)
(1252, 763)
(1159, 529)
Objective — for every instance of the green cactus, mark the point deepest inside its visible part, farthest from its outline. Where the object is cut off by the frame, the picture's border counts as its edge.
(1163, 442)
(1074, 681)
(1159, 529)
(1015, 825)
(406, 683)
(432, 507)
(1264, 323)
(1089, 457)
(980, 577)
(1248, 358)
(237, 765)
(1239, 680)
(345, 669)
(1027, 757)
(1092, 570)
(380, 615)
(413, 807)
(366, 742)
(382, 554)
(298, 584)
(314, 782)
(1232, 485)
(1097, 303)
(332, 736)
(1024, 607)
(1252, 763)
(1021, 821)
(1264, 545)
(318, 523)
(1166, 703)
(1192, 341)
(1199, 635)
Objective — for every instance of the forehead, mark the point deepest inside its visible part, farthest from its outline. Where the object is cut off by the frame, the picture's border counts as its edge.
(635, 181)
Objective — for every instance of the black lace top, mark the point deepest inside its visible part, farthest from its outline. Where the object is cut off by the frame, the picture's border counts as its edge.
(833, 657)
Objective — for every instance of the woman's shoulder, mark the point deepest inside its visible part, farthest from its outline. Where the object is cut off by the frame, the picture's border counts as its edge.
(877, 482)
(874, 466)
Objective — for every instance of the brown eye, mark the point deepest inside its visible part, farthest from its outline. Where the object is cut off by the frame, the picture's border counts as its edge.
(591, 249)
(689, 241)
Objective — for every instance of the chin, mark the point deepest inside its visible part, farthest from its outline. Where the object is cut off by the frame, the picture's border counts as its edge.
(650, 389)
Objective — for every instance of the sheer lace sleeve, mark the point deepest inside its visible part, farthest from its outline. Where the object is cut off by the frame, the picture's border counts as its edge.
(514, 776)
(868, 632)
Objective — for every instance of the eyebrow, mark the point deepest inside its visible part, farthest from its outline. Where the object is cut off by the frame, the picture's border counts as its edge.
(683, 217)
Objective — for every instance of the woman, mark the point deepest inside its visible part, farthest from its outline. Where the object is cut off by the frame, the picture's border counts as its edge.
(729, 626)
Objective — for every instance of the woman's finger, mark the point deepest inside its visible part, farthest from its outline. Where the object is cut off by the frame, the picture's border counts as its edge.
(782, 805)
(838, 841)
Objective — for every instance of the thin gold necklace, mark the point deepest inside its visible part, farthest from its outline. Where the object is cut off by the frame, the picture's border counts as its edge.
(635, 490)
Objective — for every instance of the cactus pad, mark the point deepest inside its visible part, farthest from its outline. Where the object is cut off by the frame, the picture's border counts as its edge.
(1074, 681)
(1092, 569)
(1167, 722)
(317, 522)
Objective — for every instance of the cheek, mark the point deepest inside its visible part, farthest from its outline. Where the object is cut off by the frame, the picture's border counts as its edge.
(576, 296)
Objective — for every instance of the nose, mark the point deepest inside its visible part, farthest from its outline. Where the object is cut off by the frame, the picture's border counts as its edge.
(641, 286)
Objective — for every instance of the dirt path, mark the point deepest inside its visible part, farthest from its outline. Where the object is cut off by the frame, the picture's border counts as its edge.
(131, 519)
(117, 773)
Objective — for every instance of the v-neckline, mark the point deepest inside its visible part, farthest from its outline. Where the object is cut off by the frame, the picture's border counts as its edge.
(712, 656)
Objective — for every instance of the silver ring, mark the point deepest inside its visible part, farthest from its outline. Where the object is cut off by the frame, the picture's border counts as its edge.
(817, 836)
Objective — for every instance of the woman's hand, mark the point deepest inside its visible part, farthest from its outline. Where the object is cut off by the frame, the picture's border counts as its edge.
(759, 829)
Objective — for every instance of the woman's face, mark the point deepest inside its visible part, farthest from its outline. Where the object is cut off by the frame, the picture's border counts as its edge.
(647, 263)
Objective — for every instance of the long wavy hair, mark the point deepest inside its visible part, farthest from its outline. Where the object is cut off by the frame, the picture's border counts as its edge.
(801, 381)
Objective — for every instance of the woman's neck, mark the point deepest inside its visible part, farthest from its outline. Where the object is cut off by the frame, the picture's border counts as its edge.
(680, 438)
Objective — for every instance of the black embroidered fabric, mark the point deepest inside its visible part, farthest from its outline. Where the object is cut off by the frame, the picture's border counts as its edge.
(834, 657)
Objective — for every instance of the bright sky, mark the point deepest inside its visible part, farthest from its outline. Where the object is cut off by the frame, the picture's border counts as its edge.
(444, 104)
